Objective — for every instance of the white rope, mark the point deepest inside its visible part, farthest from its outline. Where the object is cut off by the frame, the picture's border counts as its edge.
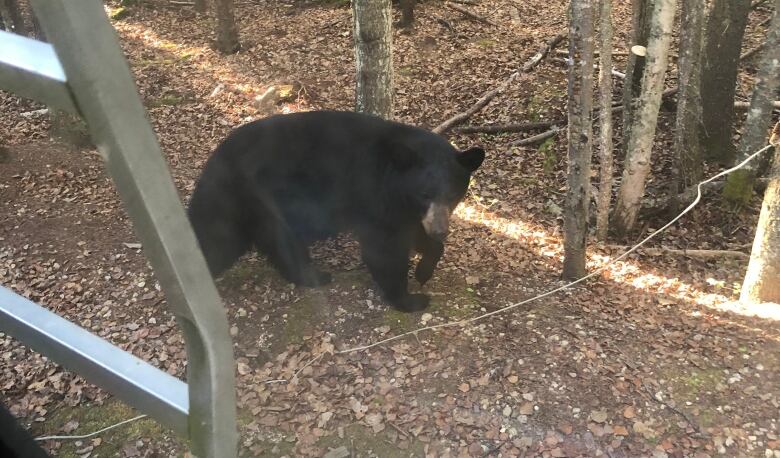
(575, 282)
(87, 436)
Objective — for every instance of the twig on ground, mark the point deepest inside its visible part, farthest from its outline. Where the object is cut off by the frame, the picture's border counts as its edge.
(399, 429)
(469, 14)
(537, 138)
(750, 52)
(674, 409)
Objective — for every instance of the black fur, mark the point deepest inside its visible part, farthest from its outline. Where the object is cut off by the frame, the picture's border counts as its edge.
(280, 183)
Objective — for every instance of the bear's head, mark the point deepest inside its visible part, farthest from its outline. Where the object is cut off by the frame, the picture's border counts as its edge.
(434, 183)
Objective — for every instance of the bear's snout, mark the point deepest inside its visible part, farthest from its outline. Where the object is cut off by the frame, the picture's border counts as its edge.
(436, 221)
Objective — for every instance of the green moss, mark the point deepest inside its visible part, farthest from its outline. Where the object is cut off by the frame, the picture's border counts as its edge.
(535, 107)
(120, 13)
(92, 418)
(359, 437)
(739, 188)
(405, 71)
(485, 43)
(167, 100)
(547, 150)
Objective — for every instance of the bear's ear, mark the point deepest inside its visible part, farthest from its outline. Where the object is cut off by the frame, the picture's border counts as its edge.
(471, 158)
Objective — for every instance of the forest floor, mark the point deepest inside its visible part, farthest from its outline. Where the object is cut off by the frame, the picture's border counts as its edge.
(647, 359)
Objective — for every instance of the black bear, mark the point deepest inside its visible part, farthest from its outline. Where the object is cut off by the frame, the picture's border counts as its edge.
(280, 183)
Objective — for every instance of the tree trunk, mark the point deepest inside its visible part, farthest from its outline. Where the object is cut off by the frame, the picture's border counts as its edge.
(688, 162)
(407, 13)
(374, 57)
(227, 31)
(605, 120)
(200, 6)
(12, 19)
(762, 280)
(579, 133)
(635, 66)
(739, 185)
(640, 144)
(725, 29)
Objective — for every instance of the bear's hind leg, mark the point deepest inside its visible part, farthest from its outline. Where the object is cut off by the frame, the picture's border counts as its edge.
(289, 255)
(221, 242)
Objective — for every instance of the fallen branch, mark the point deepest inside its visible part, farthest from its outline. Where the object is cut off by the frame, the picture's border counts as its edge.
(679, 412)
(565, 52)
(469, 14)
(537, 138)
(660, 205)
(490, 95)
(501, 128)
(750, 53)
(702, 254)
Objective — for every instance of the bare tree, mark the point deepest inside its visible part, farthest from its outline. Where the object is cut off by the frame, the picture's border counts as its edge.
(761, 280)
(725, 29)
(227, 31)
(12, 19)
(641, 11)
(739, 185)
(605, 119)
(407, 13)
(374, 57)
(579, 133)
(640, 144)
(688, 163)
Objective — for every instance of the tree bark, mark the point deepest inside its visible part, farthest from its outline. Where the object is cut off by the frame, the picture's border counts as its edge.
(640, 32)
(688, 163)
(407, 13)
(227, 31)
(579, 134)
(739, 185)
(12, 19)
(762, 280)
(374, 57)
(725, 29)
(605, 120)
(640, 144)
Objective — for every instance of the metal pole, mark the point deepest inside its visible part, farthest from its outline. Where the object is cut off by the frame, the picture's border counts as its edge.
(105, 95)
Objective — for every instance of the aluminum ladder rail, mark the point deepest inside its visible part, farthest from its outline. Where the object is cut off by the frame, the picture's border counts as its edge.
(83, 71)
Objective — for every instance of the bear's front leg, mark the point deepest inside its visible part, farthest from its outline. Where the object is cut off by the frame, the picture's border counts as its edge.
(431, 251)
(387, 257)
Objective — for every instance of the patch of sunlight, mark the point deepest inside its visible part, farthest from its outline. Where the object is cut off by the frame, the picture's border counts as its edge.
(626, 272)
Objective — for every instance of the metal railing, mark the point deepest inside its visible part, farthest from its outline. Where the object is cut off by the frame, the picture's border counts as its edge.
(83, 71)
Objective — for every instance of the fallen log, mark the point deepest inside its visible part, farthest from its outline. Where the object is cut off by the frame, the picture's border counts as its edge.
(701, 254)
(501, 128)
(469, 14)
(537, 138)
(490, 95)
